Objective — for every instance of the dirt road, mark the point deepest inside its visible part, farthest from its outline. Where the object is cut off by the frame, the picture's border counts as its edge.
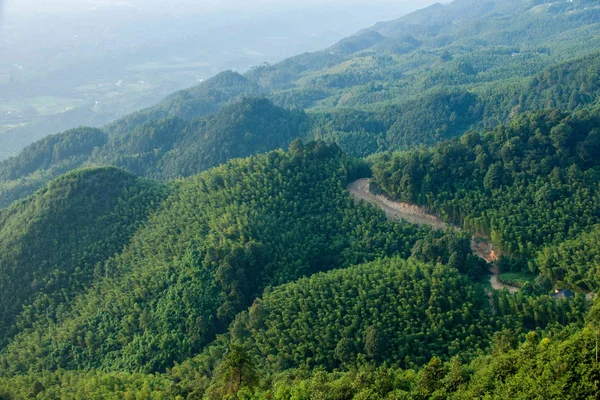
(394, 210)
(360, 190)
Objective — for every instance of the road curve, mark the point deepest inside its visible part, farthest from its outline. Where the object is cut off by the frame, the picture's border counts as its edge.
(360, 190)
(395, 210)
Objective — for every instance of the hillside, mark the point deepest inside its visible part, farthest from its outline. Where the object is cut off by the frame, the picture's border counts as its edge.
(51, 243)
(538, 368)
(527, 185)
(229, 234)
(463, 43)
(215, 244)
(426, 77)
(164, 149)
(376, 310)
(171, 148)
(240, 240)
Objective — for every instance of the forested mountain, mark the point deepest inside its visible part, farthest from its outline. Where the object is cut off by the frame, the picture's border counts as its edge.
(198, 101)
(562, 367)
(52, 243)
(187, 255)
(426, 77)
(472, 46)
(533, 182)
(328, 319)
(163, 149)
(216, 243)
(402, 312)
(171, 148)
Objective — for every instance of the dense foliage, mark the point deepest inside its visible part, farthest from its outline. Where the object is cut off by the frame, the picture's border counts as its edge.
(562, 362)
(52, 150)
(426, 77)
(52, 242)
(162, 149)
(216, 243)
(395, 310)
(575, 262)
(539, 368)
(44, 160)
(531, 183)
(261, 278)
(171, 148)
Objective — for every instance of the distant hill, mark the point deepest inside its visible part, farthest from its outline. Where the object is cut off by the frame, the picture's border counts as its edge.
(172, 148)
(163, 149)
(425, 77)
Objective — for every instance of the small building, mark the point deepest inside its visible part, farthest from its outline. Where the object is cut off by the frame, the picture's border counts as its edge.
(563, 294)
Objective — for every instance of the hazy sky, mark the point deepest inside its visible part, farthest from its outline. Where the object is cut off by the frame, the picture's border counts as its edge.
(127, 54)
(60, 6)
(34, 17)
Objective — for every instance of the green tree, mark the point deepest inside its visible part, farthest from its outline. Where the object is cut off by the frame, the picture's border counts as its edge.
(375, 343)
(493, 177)
(345, 351)
(430, 378)
(237, 371)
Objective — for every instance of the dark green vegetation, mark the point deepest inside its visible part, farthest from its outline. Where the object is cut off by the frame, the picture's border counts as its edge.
(261, 278)
(531, 183)
(163, 149)
(531, 369)
(215, 244)
(426, 77)
(378, 310)
(42, 161)
(242, 231)
(52, 244)
(402, 312)
(546, 368)
(574, 262)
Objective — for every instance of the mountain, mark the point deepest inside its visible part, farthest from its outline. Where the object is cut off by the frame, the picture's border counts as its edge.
(53, 151)
(201, 100)
(64, 67)
(52, 242)
(171, 148)
(464, 65)
(224, 237)
(168, 147)
(496, 39)
(164, 149)
(213, 246)
(245, 271)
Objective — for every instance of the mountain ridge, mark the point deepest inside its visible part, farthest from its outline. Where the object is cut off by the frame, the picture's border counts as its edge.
(210, 248)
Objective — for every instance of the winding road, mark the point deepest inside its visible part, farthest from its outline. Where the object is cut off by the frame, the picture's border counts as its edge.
(360, 190)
